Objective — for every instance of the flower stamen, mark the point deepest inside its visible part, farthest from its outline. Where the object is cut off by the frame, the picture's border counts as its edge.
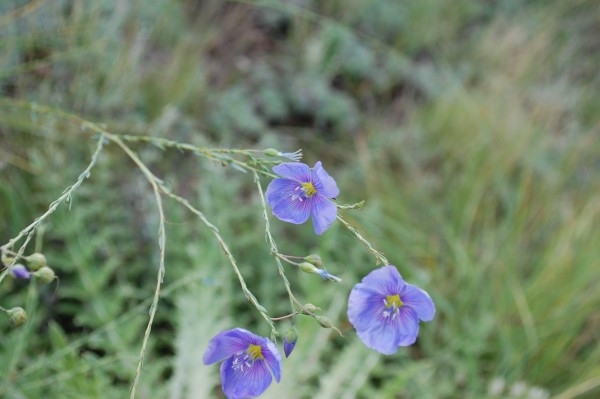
(309, 189)
(242, 361)
(393, 301)
(255, 351)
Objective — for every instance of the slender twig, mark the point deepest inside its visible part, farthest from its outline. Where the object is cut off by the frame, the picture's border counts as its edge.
(247, 293)
(378, 255)
(275, 252)
(214, 154)
(161, 246)
(66, 196)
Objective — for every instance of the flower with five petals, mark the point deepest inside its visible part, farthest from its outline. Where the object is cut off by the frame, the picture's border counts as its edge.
(302, 192)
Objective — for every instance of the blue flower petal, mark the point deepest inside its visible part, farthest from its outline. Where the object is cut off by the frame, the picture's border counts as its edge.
(20, 271)
(384, 328)
(272, 358)
(324, 183)
(420, 301)
(386, 280)
(386, 273)
(387, 335)
(406, 324)
(324, 212)
(247, 383)
(363, 307)
(296, 171)
(226, 344)
(288, 347)
(287, 202)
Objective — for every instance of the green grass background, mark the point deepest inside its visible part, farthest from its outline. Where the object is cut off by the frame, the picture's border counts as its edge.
(471, 128)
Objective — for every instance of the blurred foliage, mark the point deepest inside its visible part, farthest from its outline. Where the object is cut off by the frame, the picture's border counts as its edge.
(471, 129)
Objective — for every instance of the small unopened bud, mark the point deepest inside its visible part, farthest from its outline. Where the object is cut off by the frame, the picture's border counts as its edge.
(7, 259)
(309, 307)
(324, 321)
(20, 271)
(18, 316)
(308, 268)
(36, 261)
(289, 341)
(325, 275)
(271, 152)
(45, 275)
(314, 260)
(292, 156)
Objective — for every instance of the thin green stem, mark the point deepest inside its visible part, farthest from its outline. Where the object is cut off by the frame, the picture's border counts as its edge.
(213, 154)
(378, 255)
(66, 196)
(247, 293)
(269, 237)
(162, 238)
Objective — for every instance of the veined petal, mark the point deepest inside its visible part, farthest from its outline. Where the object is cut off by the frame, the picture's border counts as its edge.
(363, 307)
(244, 383)
(324, 183)
(226, 344)
(272, 358)
(386, 280)
(281, 190)
(297, 171)
(387, 335)
(406, 324)
(420, 301)
(323, 213)
(287, 202)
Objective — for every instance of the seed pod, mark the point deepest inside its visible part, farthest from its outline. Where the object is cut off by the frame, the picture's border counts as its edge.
(18, 316)
(36, 261)
(324, 321)
(45, 275)
(309, 307)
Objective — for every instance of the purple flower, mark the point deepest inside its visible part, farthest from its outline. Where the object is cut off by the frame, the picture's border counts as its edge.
(302, 192)
(20, 271)
(248, 362)
(385, 310)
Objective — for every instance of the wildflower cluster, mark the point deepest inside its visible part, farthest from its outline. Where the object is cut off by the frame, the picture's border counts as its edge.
(383, 308)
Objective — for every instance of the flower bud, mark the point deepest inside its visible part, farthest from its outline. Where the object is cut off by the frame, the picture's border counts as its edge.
(271, 152)
(20, 271)
(36, 261)
(314, 260)
(289, 341)
(325, 275)
(308, 268)
(18, 316)
(45, 275)
(324, 321)
(7, 259)
(292, 156)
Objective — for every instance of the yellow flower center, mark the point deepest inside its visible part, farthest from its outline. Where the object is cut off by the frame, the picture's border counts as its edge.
(255, 352)
(393, 301)
(309, 189)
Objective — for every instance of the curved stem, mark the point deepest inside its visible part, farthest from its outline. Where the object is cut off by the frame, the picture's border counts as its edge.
(378, 255)
(269, 237)
(162, 238)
